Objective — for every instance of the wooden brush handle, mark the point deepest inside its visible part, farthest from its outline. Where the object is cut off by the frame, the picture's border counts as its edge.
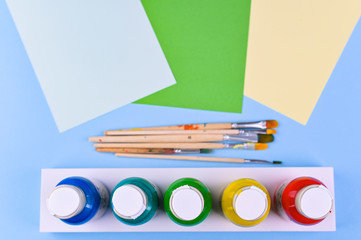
(192, 158)
(200, 126)
(172, 132)
(161, 145)
(137, 150)
(159, 138)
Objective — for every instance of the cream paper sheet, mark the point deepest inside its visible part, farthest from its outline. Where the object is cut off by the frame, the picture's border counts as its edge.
(293, 47)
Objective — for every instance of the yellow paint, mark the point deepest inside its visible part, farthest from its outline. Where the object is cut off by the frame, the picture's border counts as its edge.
(133, 129)
(260, 146)
(292, 49)
(234, 189)
(238, 146)
(271, 131)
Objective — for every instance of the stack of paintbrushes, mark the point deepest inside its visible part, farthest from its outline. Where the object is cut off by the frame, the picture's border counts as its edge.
(165, 142)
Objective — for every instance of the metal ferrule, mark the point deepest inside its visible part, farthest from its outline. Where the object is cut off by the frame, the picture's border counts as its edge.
(256, 161)
(187, 150)
(248, 133)
(253, 131)
(259, 125)
(241, 138)
(247, 146)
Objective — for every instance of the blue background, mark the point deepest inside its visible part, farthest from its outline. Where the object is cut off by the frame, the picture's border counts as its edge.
(30, 141)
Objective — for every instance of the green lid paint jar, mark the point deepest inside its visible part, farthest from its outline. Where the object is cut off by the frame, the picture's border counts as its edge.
(134, 201)
(187, 201)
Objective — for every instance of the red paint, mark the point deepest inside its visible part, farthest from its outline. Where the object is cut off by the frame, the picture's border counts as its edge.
(190, 127)
(100, 140)
(289, 196)
(168, 151)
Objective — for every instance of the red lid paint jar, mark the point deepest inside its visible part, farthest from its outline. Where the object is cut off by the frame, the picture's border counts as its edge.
(304, 200)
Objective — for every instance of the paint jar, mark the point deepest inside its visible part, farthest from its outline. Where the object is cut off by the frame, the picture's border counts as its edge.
(134, 201)
(303, 200)
(76, 200)
(187, 201)
(246, 202)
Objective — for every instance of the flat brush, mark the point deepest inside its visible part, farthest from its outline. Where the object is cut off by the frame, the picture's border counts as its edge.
(258, 125)
(174, 132)
(195, 158)
(247, 146)
(249, 137)
(153, 150)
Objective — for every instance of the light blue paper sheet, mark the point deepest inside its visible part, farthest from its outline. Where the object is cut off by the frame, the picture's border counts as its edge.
(90, 56)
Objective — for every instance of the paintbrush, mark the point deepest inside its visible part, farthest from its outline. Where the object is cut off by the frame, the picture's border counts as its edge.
(153, 150)
(248, 146)
(258, 125)
(196, 158)
(174, 132)
(249, 137)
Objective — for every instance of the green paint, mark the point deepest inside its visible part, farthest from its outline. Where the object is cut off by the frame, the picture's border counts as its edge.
(206, 150)
(205, 43)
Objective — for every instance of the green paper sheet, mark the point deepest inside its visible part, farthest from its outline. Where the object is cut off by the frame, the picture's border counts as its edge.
(205, 43)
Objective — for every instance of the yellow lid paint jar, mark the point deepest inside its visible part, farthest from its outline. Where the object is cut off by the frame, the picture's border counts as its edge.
(246, 202)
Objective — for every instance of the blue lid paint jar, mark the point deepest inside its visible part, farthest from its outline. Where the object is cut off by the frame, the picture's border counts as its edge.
(134, 201)
(77, 200)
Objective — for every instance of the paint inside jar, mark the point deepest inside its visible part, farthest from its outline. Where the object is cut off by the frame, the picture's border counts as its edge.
(304, 200)
(187, 202)
(245, 202)
(135, 201)
(77, 200)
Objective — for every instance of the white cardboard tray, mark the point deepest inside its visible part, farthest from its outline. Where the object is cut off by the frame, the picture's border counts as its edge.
(216, 180)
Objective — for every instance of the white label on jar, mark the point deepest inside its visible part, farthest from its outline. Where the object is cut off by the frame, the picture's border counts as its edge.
(159, 193)
(156, 189)
(104, 198)
(278, 197)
